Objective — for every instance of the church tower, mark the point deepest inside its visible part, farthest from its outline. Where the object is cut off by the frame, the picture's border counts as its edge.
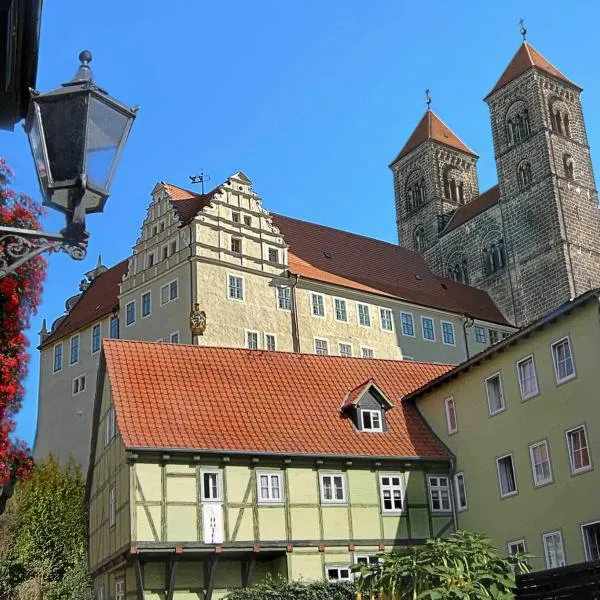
(434, 174)
(548, 199)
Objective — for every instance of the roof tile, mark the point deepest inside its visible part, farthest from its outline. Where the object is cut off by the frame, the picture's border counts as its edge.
(478, 205)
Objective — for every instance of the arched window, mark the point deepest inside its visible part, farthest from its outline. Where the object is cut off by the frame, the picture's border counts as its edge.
(419, 238)
(454, 186)
(415, 190)
(457, 269)
(559, 117)
(569, 168)
(494, 256)
(524, 175)
(518, 123)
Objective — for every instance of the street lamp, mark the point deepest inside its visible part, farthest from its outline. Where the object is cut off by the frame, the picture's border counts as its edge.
(77, 133)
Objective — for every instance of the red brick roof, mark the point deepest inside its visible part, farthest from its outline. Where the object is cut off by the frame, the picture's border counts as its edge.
(431, 127)
(478, 205)
(173, 396)
(99, 300)
(525, 58)
(347, 259)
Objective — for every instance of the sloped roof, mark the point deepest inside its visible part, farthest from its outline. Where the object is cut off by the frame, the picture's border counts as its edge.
(347, 259)
(478, 205)
(525, 58)
(100, 299)
(174, 396)
(188, 204)
(431, 127)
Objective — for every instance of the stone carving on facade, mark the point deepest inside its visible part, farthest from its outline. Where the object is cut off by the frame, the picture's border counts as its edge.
(197, 320)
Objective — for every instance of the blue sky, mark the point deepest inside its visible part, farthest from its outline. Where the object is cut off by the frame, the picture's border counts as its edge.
(310, 99)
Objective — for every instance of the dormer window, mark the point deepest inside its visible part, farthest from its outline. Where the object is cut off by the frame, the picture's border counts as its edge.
(371, 420)
(366, 406)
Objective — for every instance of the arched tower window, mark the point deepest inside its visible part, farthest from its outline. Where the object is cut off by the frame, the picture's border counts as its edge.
(415, 190)
(524, 175)
(494, 255)
(569, 167)
(454, 186)
(518, 123)
(419, 238)
(560, 118)
(458, 269)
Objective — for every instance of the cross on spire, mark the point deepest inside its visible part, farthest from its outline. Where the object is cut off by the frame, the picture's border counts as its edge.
(522, 29)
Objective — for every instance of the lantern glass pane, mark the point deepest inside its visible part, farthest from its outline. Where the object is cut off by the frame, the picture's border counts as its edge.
(37, 149)
(63, 122)
(106, 128)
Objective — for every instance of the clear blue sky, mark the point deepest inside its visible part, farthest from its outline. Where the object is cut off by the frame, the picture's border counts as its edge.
(310, 99)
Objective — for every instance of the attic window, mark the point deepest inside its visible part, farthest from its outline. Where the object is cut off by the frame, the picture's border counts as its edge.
(326, 253)
(371, 420)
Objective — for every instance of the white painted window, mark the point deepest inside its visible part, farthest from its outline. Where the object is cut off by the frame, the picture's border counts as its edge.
(174, 337)
(321, 347)
(451, 415)
(318, 305)
(74, 359)
(120, 589)
(112, 506)
(364, 315)
(252, 340)
(367, 352)
(408, 325)
(341, 312)
(236, 245)
(169, 292)
(58, 358)
(461, 491)
(146, 304)
(540, 463)
(211, 486)
(591, 540)
(371, 420)
(391, 486)
(562, 357)
(428, 329)
(114, 327)
(269, 486)
(345, 349)
(273, 255)
(554, 550)
(439, 493)
(579, 454)
(130, 313)
(284, 297)
(480, 335)
(96, 337)
(495, 396)
(507, 479)
(270, 342)
(516, 547)
(448, 333)
(235, 287)
(387, 319)
(528, 383)
(78, 384)
(333, 488)
(337, 573)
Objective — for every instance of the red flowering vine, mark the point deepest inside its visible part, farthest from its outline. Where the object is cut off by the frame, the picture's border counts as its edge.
(20, 296)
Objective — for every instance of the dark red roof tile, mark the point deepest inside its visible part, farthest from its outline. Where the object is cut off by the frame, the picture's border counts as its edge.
(478, 205)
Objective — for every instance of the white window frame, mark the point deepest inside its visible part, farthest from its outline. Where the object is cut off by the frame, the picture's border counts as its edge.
(80, 389)
(273, 262)
(134, 315)
(112, 505)
(423, 319)
(173, 334)
(431, 488)
(149, 294)
(335, 315)
(586, 549)
(574, 470)
(482, 329)
(120, 589)
(368, 313)
(383, 309)
(487, 393)
(391, 487)
(167, 286)
(318, 339)
(288, 299)
(97, 326)
(525, 396)
(110, 326)
(247, 332)
(548, 535)
(574, 373)
(265, 343)
(243, 286)
(368, 349)
(334, 500)
(339, 568)
(349, 345)
(371, 412)
(412, 322)
(62, 357)
(540, 483)
(236, 238)
(509, 546)
(312, 305)
(74, 362)
(219, 474)
(247, 220)
(460, 507)
(369, 558)
(269, 500)
(453, 343)
(514, 472)
(447, 403)
(237, 220)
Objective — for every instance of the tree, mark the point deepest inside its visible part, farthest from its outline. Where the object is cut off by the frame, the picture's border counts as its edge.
(279, 588)
(20, 295)
(43, 541)
(462, 566)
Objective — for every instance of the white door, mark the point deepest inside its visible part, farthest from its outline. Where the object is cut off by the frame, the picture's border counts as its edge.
(212, 507)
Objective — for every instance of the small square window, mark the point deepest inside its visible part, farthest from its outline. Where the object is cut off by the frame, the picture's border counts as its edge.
(516, 547)
(387, 320)
(252, 340)
(461, 491)
(341, 313)
(408, 327)
(506, 476)
(391, 486)
(321, 347)
(146, 304)
(494, 336)
(58, 357)
(579, 454)
(439, 493)
(540, 463)
(78, 384)
(236, 245)
(528, 384)
(269, 486)
(174, 337)
(270, 342)
(366, 559)
(554, 550)
(211, 486)
(448, 333)
(284, 297)
(495, 396)
(333, 489)
(248, 220)
(236, 287)
(130, 313)
(480, 335)
(364, 315)
(562, 357)
(451, 416)
(371, 420)
(367, 352)
(338, 573)
(318, 305)
(345, 349)
(428, 329)
(235, 216)
(273, 255)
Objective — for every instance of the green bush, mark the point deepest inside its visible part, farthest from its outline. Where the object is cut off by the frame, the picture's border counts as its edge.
(281, 589)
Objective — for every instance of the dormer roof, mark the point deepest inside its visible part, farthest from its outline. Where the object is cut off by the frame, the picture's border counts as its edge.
(354, 396)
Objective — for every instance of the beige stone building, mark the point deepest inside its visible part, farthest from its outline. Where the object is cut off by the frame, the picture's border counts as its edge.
(263, 281)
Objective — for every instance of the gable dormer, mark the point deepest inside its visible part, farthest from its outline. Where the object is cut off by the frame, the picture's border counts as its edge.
(366, 405)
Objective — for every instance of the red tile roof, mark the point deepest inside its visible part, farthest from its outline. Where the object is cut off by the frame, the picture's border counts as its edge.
(525, 58)
(99, 300)
(172, 396)
(371, 265)
(431, 127)
(188, 204)
(478, 205)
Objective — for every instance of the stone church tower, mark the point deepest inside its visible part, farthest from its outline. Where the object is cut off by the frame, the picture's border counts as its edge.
(533, 240)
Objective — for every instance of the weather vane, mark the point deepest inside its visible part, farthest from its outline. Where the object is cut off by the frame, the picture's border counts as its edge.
(201, 178)
(523, 30)
(427, 98)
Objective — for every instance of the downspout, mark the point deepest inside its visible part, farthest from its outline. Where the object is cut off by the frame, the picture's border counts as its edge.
(453, 492)
(468, 321)
(294, 315)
